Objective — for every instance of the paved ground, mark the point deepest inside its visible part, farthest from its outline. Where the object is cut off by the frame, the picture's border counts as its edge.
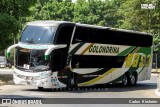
(143, 89)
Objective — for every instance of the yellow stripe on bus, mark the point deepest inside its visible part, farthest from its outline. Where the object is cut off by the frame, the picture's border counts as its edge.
(84, 51)
(98, 78)
(136, 50)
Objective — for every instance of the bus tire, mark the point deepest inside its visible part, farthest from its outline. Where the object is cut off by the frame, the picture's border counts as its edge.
(133, 79)
(125, 80)
(40, 88)
(72, 82)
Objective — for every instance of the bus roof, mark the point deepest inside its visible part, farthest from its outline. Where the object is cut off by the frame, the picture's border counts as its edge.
(56, 23)
(130, 31)
(47, 23)
(113, 29)
(92, 26)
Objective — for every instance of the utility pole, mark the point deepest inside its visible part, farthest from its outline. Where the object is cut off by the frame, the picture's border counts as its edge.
(14, 53)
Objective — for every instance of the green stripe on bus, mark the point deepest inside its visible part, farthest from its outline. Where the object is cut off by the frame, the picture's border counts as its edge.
(73, 51)
(125, 52)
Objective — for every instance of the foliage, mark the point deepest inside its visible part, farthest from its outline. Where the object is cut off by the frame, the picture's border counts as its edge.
(16, 8)
(11, 15)
(8, 29)
(126, 14)
(139, 19)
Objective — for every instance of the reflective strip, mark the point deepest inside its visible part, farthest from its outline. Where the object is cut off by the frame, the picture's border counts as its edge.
(85, 50)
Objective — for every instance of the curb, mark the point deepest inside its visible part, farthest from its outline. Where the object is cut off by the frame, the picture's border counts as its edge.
(157, 92)
(6, 80)
(155, 72)
(2, 83)
(6, 83)
(6, 69)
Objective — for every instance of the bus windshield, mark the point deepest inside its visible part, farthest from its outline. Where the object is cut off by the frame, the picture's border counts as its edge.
(31, 60)
(38, 34)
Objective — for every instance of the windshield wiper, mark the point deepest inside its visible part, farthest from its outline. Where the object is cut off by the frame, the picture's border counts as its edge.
(31, 41)
(41, 68)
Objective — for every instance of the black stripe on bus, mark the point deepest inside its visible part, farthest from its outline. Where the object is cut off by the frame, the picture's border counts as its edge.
(73, 51)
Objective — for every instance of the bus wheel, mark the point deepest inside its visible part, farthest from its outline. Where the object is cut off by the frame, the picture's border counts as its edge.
(72, 82)
(133, 79)
(40, 88)
(125, 80)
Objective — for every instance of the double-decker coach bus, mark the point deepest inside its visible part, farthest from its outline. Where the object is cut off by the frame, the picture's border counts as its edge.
(56, 54)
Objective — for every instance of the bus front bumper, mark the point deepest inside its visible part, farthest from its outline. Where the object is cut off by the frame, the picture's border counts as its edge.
(40, 79)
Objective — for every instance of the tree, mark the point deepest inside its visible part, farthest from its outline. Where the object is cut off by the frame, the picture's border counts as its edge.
(16, 8)
(135, 18)
(52, 10)
(8, 29)
(11, 15)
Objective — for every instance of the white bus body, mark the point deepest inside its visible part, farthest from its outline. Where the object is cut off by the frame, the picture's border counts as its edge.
(56, 54)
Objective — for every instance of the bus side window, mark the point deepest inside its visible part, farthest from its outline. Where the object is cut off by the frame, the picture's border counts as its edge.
(64, 35)
(81, 35)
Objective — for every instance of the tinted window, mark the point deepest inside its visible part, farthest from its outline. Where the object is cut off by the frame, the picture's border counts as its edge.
(88, 61)
(81, 35)
(106, 36)
(64, 35)
(38, 34)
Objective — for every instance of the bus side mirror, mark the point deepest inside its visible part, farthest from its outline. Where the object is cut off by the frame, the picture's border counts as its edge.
(8, 54)
(46, 57)
(51, 48)
(9, 49)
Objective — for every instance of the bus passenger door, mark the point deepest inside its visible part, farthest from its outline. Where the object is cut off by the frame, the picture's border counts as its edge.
(63, 36)
(59, 56)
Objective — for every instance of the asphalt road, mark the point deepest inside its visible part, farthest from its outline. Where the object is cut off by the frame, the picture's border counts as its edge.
(145, 89)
